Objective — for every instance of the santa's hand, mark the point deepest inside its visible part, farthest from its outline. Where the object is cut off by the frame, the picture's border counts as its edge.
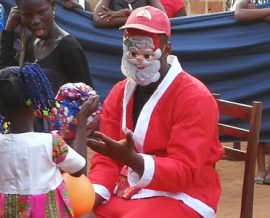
(121, 151)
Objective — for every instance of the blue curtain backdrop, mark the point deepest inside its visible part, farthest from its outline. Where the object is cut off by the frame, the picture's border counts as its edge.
(232, 59)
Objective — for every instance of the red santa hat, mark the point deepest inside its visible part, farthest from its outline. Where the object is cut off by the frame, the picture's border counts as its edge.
(149, 19)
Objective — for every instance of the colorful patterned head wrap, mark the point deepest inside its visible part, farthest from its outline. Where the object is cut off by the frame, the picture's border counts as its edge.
(69, 99)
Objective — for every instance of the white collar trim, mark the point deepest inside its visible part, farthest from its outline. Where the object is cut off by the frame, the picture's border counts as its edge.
(145, 115)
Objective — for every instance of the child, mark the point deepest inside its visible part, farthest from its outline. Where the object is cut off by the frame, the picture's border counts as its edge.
(263, 174)
(31, 184)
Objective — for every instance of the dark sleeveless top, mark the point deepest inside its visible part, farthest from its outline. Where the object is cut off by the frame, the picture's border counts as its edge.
(117, 5)
(66, 63)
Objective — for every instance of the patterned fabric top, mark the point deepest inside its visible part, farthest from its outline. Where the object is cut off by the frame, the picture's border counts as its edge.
(123, 189)
(60, 149)
(260, 1)
(54, 204)
(30, 173)
(31, 162)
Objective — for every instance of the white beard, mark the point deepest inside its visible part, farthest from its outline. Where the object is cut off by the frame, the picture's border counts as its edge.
(143, 77)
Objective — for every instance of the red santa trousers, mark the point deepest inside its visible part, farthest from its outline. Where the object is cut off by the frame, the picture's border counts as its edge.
(156, 207)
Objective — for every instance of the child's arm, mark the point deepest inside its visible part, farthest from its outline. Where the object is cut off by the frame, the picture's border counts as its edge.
(79, 143)
(103, 16)
(8, 54)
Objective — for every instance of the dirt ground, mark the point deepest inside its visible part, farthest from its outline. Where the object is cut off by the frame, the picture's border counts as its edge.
(231, 173)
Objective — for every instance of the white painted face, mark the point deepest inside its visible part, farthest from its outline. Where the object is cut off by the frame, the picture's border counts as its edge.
(140, 62)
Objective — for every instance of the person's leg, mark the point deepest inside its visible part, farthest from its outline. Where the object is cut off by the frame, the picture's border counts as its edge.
(259, 179)
(267, 177)
(158, 207)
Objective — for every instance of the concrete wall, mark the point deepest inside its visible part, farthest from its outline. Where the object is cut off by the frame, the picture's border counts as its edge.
(204, 6)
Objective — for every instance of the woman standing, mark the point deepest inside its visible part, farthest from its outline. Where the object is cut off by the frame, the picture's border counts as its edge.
(55, 50)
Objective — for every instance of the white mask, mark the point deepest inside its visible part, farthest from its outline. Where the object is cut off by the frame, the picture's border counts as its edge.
(140, 63)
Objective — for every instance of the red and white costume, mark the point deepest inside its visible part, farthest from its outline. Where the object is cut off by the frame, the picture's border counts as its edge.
(177, 135)
(172, 6)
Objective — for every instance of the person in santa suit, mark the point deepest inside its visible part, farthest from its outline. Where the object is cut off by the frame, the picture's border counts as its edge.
(158, 142)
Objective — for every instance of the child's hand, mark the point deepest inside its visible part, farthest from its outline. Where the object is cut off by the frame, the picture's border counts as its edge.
(88, 107)
(14, 19)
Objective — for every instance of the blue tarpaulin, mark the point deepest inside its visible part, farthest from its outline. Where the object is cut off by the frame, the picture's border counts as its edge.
(232, 59)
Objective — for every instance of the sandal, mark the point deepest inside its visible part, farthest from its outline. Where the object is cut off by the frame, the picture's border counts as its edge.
(260, 180)
(267, 180)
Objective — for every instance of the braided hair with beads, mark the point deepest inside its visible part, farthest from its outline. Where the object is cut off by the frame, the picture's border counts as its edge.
(25, 86)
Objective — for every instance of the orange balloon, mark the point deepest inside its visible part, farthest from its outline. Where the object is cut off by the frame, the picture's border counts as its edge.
(81, 194)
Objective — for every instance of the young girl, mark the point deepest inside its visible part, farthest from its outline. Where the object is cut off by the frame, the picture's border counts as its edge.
(31, 184)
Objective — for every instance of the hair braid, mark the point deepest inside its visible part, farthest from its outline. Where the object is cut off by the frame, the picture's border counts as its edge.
(37, 87)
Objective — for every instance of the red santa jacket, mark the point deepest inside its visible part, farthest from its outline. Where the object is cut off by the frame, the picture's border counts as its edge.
(177, 134)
